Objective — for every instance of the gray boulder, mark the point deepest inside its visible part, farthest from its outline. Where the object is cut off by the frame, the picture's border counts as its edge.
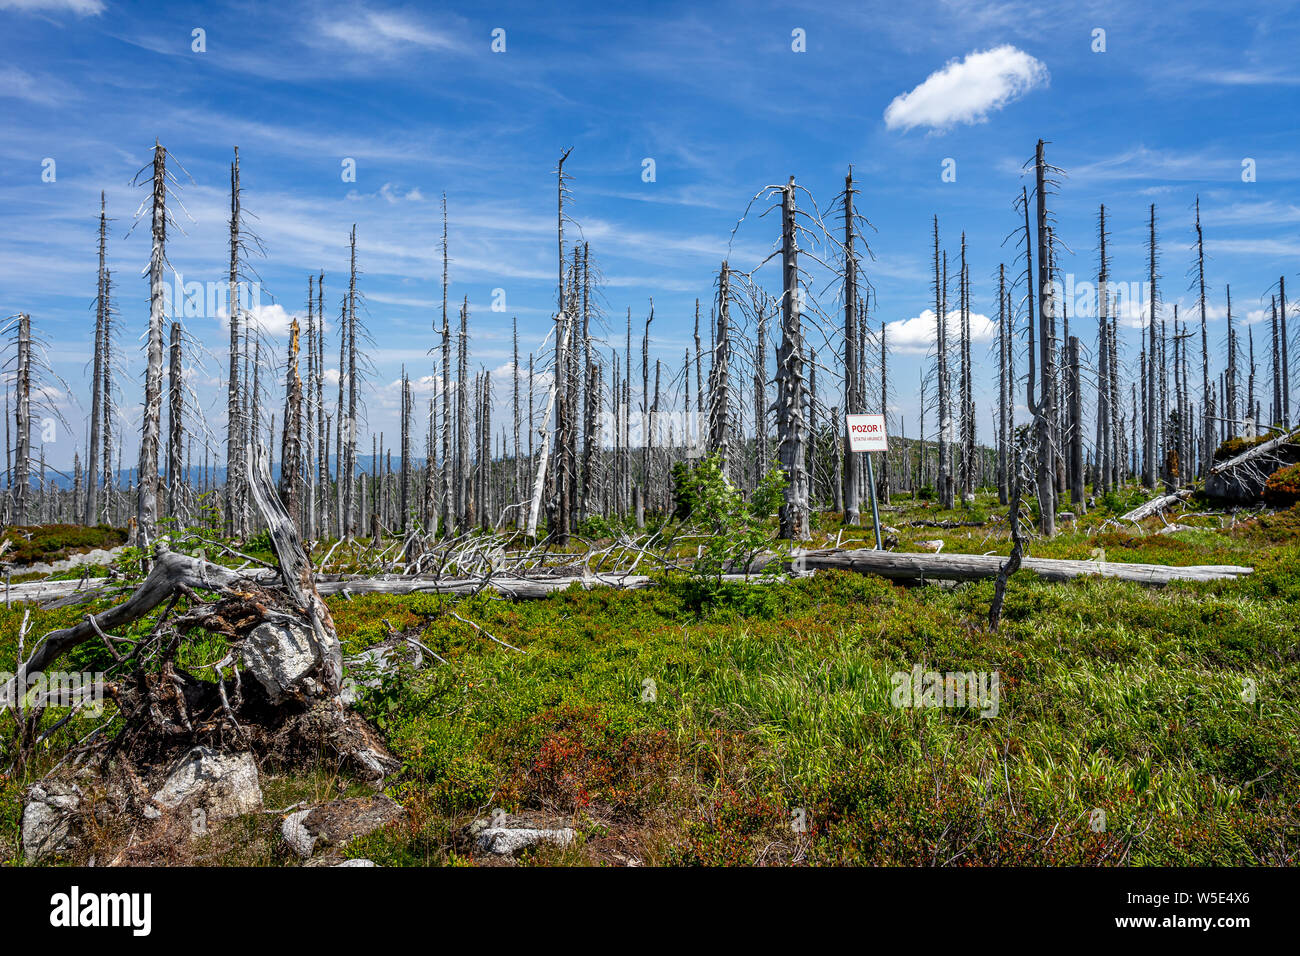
(337, 823)
(50, 819)
(506, 835)
(221, 785)
(282, 656)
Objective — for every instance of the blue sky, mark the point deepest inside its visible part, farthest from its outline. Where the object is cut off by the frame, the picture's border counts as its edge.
(713, 93)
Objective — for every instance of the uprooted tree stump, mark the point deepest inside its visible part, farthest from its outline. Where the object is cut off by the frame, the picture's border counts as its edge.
(284, 708)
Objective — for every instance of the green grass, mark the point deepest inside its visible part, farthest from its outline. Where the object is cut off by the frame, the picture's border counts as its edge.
(772, 707)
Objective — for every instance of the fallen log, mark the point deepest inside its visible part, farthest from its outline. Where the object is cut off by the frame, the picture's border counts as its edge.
(973, 567)
(1156, 505)
(889, 564)
(1258, 451)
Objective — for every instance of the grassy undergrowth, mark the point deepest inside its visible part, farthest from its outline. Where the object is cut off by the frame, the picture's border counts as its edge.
(758, 727)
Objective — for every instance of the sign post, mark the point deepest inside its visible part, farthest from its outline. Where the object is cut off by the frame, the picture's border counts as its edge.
(867, 434)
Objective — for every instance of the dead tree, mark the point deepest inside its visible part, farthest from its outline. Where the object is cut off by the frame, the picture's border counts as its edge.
(291, 458)
(1045, 413)
(175, 424)
(236, 520)
(408, 407)
(147, 475)
(462, 419)
(350, 438)
(853, 391)
(91, 515)
(791, 422)
(275, 621)
(1004, 386)
(23, 420)
(1150, 417)
(1284, 347)
(310, 449)
(448, 497)
(719, 373)
(944, 478)
(1207, 417)
(1075, 420)
(560, 373)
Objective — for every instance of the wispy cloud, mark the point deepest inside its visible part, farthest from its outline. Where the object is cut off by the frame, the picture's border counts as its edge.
(379, 32)
(19, 85)
(82, 8)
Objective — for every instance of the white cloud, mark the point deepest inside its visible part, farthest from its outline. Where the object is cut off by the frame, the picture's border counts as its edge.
(967, 90)
(272, 319)
(82, 8)
(19, 85)
(380, 31)
(916, 336)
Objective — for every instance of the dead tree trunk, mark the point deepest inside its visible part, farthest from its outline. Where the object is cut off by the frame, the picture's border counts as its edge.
(147, 476)
(1075, 425)
(1149, 463)
(791, 423)
(462, 418)
(175, 427)
(408, 407)
(291, 442)
(97, 382)
(350, 439)
(236, 524)
(719, 373)
(853, 394)
(944, 479)
(1046, 410)
(448, 497)
(23, 420)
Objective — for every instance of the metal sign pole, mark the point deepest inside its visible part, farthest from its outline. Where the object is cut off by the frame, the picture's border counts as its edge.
(875, 512)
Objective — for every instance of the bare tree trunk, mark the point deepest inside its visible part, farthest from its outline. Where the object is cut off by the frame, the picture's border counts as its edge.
(517, 490)
(1046, 411)
(719, 374)
(350, 439)
(853, 386)
(91, 514)
(761, 452)
(1149, 465)
(310, 452)
(236, 524)
(291, 440)
(1076, 424)
(23, 420)
(175, 427)
(884, 410)
(462, 419)
(1284, 347)
(539, 481)
(147, 478)
(943, 480)
(560, 373)
(791, 424)
(404, 521)
(109, 480)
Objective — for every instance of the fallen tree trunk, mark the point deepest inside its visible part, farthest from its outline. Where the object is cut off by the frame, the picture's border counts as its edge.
(887, 564)
(972, 567)
(1156, 505)
(1258, 451)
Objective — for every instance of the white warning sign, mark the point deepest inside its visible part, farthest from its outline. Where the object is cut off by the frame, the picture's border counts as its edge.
(867, 433)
